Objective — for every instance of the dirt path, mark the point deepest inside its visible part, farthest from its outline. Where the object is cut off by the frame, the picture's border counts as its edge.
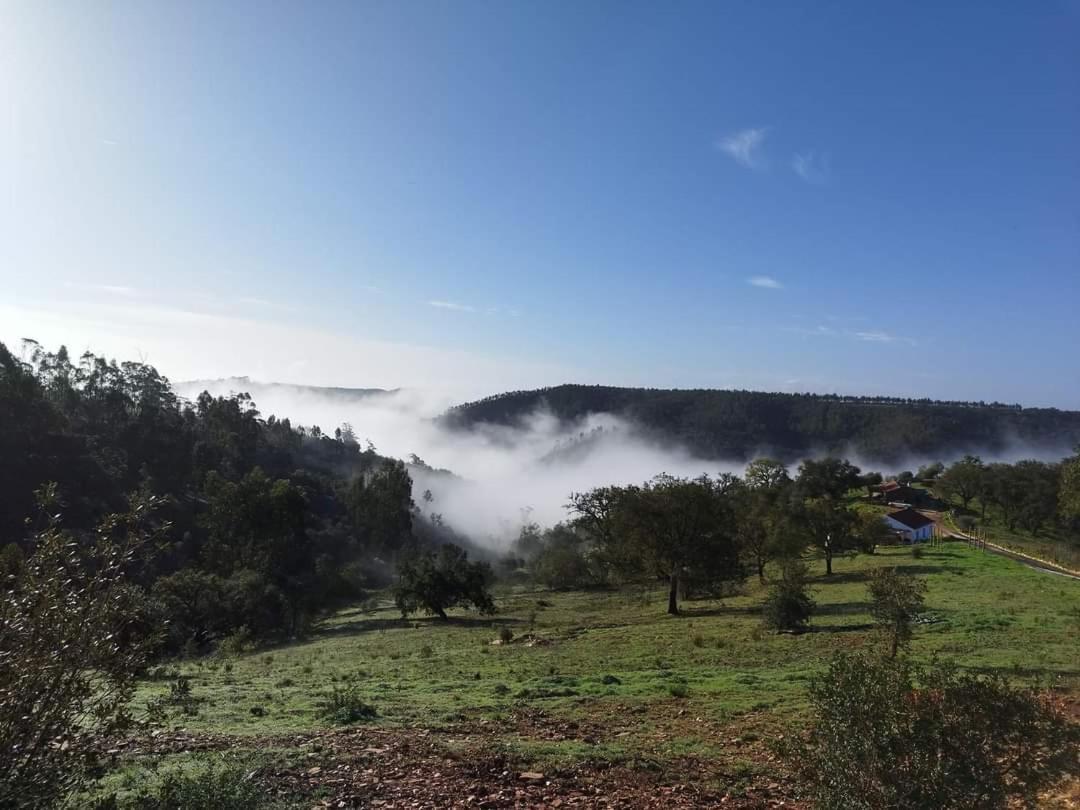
(369, 767)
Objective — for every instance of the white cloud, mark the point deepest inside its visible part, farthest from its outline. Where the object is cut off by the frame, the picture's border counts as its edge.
(744, 147)
(451, 305)
(768, 282)
(811, 167)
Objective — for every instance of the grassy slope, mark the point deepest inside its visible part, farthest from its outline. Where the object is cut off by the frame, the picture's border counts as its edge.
(994, 615)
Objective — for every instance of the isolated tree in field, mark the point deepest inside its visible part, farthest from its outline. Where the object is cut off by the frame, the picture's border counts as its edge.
(1069, 488)
(788, 606)
(870, 480)
(72, 639)
(830, 478)
(966, 480)
(928, 473)
(889, 734)
(435, 581)
(896, 599)
(763, 514)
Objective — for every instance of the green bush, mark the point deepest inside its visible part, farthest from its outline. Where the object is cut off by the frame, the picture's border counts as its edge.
(344, 705)
(887, 733)
(789, 606)
(212, 788)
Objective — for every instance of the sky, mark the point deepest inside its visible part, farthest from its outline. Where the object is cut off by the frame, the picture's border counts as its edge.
(475, 196)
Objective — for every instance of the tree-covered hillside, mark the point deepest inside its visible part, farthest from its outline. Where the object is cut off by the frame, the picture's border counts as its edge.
(741, 424)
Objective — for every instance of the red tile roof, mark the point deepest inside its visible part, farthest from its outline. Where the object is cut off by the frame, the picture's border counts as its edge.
(910, 518)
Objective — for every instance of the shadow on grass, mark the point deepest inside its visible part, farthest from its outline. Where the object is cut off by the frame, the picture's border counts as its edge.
(841, 608)
(375, 625)
(841, 628)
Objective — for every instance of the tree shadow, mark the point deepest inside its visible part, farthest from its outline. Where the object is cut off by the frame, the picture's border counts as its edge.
(840, 577)
(362, 626)
(719, 610)
(841, 608)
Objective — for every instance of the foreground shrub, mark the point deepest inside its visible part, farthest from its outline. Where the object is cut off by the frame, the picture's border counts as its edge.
(889, 734)
(71, 643)
(344, 705)
(214, 787)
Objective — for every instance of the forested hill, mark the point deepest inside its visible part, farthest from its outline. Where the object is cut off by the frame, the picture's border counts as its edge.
(740, 424)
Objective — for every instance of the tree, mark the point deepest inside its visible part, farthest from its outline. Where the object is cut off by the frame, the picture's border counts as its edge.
(827, 478)
(831, 527)
(381, 507)
(435, 581)
(789, 605)
(871, 480)
(928, 473)
(72, 640)
(896, 599)
(966, 479)
(766, 474)
(668, 527)
(887, 733)
(1069, 489)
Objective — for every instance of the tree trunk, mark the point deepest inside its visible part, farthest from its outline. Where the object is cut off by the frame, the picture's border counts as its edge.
(895, 642)
(828, 561)
(441, 613)
(761, 569)
(673, 595)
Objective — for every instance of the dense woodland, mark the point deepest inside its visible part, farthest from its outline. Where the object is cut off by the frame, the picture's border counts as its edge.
(266, 525)
(743, 424)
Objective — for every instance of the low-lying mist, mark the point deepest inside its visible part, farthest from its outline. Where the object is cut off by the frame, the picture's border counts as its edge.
(488, 481)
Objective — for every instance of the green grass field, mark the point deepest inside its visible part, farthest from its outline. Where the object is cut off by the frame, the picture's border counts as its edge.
(636, 684)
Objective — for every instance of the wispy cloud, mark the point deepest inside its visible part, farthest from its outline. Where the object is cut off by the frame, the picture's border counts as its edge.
(451, 305)
(768, 282)
(744, 147)
(111, 289)
(865, 336)
(811, 167)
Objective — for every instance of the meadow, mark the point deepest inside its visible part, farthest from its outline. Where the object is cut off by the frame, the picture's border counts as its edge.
(558, 681)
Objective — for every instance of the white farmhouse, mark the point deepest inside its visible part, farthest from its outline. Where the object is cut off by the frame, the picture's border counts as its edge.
(914, 526)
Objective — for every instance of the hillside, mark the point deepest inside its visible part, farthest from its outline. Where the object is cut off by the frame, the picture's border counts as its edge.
(261, 390)
(740, 424)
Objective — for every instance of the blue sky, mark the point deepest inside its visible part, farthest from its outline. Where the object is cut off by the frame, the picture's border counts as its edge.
(855, 197)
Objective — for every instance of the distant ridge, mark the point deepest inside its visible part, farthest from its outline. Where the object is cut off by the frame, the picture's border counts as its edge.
(247, 385)
(715, 423)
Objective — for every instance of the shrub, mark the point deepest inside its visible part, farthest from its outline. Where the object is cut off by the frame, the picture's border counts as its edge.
(344, 705)
(698, 640)
(72, 641)
(678, 689)
(506, 635)
(258, 711)
(954, 740)
(917, 552)
(788, 605)
(210, 788)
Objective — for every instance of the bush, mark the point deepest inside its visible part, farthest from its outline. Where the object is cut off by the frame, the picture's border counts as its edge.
(344, 705)
(506, 635)
(953, 740)
(788, 606)
(72, 641)
(210, 788)
(917, 552)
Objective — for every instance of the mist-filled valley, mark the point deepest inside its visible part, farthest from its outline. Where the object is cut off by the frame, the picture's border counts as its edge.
(507, 461)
